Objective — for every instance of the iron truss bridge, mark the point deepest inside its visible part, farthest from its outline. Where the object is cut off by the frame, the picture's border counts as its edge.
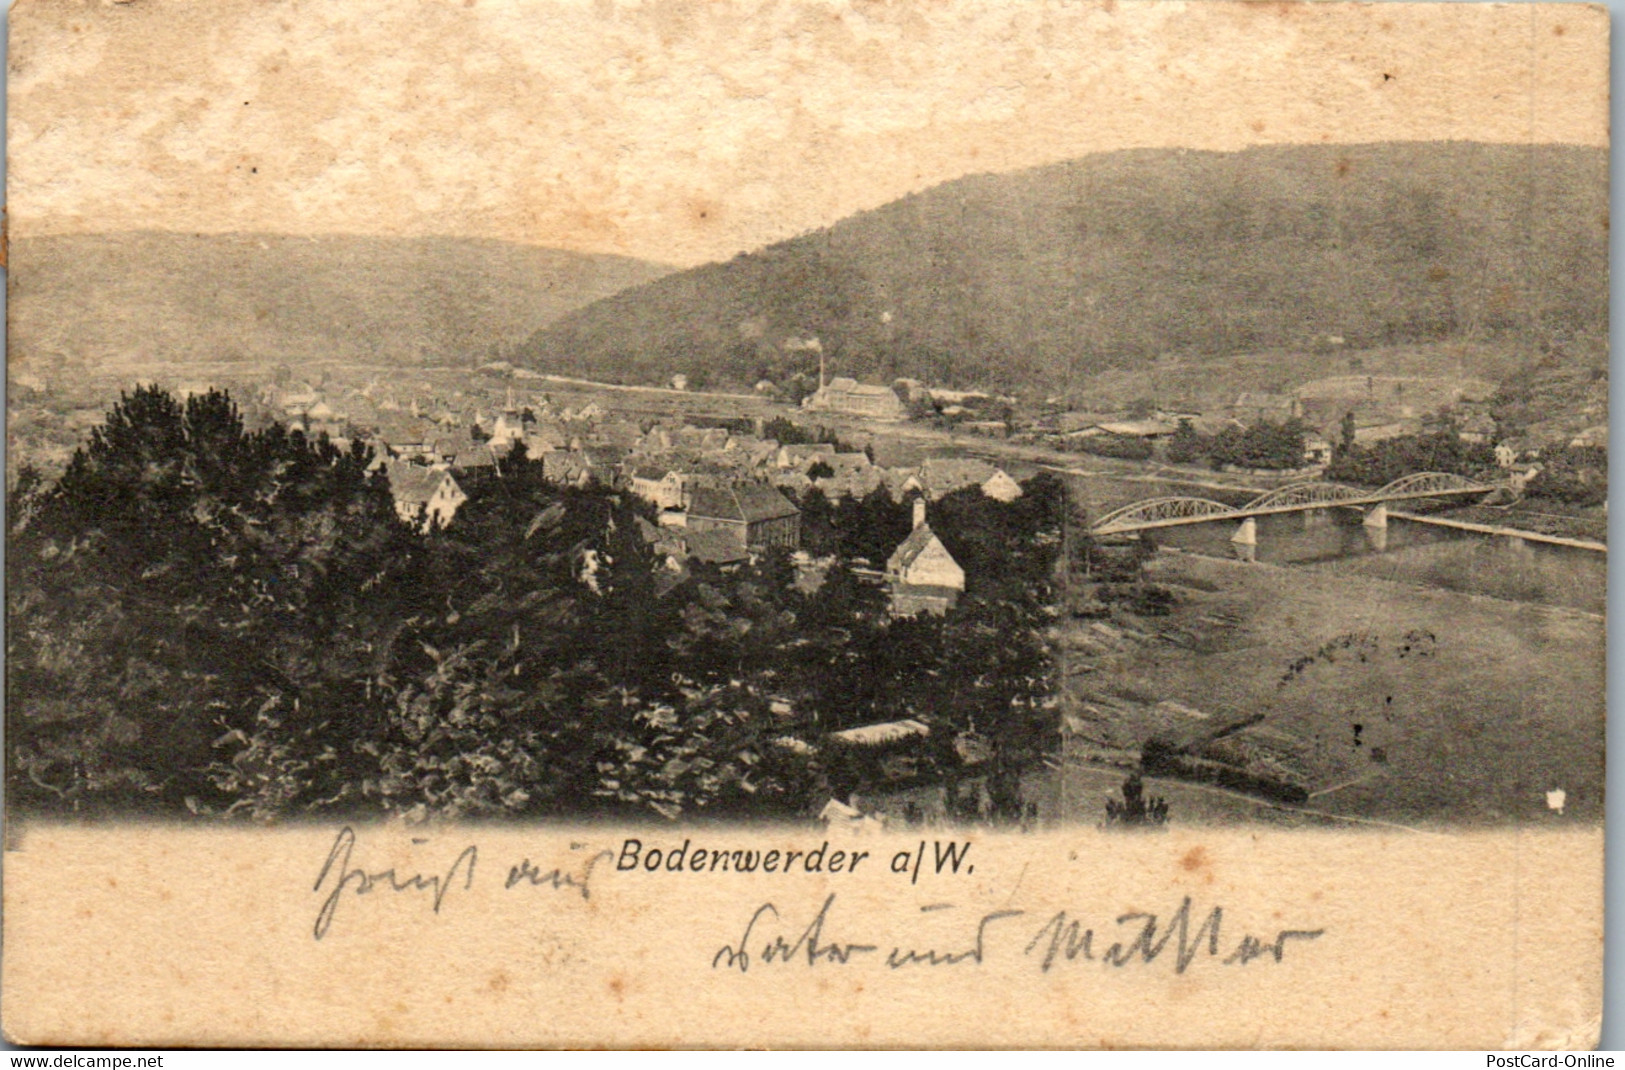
(1170, 512)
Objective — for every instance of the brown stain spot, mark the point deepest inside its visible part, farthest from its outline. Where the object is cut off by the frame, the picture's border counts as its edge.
(1437, 274)
(1317, 896)
(704, 212)
(1386, 25)
(498, 983)
(617, 987)
(1344, 166)
(1194, 859)
(1109, 6)
(1603, 221)
(1558, 30)
(111, 883)
(1257, 126)
(165, 895)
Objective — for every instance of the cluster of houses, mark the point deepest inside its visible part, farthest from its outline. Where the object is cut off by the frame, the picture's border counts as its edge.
(721, 496)
(1381, 406)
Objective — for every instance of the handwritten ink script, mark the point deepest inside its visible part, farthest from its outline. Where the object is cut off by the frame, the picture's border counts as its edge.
(771, 936)
(339, 875)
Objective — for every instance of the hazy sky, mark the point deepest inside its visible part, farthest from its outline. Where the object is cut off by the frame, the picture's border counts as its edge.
(689, 130)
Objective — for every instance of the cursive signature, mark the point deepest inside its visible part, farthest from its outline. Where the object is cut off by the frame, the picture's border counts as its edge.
(777, 949)
(1065, 938)
(529, 874)
(1137, 938)
(358, 881)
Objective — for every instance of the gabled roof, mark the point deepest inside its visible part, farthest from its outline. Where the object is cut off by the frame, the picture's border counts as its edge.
(802, 452)
(717, 547)
(944, 475)
(413, 484)
(474, 456)
(909, 550)
(452, 445)
(401, 432)
(742, 502)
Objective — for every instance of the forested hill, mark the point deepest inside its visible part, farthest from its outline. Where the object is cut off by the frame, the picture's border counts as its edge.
(140, 297)
(1029, 278)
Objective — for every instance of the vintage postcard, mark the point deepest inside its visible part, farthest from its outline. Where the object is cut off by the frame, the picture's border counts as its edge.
(800, 523)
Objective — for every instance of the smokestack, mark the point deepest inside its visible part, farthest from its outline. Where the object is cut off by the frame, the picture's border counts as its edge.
(919, 511)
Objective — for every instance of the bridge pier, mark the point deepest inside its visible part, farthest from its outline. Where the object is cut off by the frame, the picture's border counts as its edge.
(1245, 541)
(1376, 528)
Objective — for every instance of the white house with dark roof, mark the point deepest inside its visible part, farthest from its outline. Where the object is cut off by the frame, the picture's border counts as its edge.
(922, 574)
(659, 485)
(427, 497)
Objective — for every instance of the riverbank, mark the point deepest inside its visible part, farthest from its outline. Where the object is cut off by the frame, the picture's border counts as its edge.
(1494, 568)
(1385, 702)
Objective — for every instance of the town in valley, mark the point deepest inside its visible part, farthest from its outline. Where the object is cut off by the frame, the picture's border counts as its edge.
(849, 527)
(1143, 489)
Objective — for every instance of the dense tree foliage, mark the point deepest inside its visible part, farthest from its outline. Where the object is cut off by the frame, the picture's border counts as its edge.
(1125, 446)
(1263, 445)
(207, 619)
(184, 578)
(1576, 475)
(1383, 462)
(1187, 445)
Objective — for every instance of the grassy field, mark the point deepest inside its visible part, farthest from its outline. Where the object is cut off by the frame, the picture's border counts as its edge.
(1215, 384)
(1575, 579)
(1394, 703)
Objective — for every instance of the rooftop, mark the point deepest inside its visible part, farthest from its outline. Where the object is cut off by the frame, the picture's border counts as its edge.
(743, 502)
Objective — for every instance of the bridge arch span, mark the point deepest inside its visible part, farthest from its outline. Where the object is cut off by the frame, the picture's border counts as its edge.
(1423, 482)
(1136, 514)
(1296, 494)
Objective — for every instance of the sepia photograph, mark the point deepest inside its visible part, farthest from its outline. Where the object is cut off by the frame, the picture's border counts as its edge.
(735, 462)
